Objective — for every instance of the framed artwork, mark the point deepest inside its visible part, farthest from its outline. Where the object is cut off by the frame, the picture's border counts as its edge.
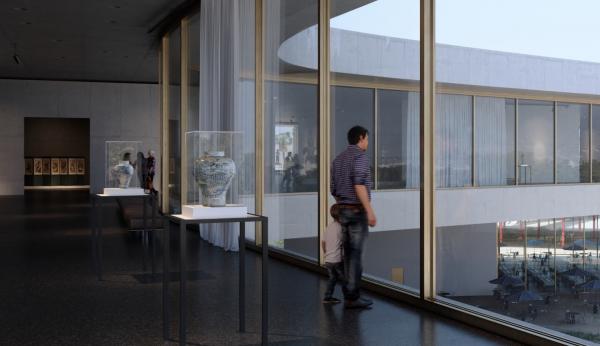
(64, 166)
(55, 166)
(81, 166)
(46, 166)
(286, 145)
(72, 166)
(28, 166)
(37, 167)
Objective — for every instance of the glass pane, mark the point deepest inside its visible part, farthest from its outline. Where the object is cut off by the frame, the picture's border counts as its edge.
(516, 243)
(536, 142)
(351, 107)
(375, 76)
(174, 122)
(398, 136)
(573, 143)
(291, 115)
(596, 143)
(495, 141)
(291, 125)
(453, 140)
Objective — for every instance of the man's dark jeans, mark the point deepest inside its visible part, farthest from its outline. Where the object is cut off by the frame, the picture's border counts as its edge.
(355, 230)
(336, 274)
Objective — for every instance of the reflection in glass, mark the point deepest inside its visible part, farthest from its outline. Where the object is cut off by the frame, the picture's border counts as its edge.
(536, 142)
(573, 143)
(291, 125)
(291, 118)
(174, 122)
(495, 141)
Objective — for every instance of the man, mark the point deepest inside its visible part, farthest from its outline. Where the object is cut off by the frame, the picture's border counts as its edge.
(351, 187)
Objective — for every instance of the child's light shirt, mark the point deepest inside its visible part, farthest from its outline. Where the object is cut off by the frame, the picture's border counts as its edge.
(333, 243)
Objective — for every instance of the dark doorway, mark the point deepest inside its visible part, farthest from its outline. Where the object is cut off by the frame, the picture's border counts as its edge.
(57, 153)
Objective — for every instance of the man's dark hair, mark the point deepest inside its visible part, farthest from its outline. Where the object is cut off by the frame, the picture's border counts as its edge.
(356, 133)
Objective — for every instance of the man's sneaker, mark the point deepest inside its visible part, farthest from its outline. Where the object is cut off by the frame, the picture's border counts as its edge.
(331, 300)
(357, 304)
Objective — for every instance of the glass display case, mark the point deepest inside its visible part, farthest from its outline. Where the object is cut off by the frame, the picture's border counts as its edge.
(213, 161)
(123, 168)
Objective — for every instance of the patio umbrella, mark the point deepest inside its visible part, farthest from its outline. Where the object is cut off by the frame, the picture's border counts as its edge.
(574, 247)
(525, 296)
(590, 286)
(507, 281)
(575, 271)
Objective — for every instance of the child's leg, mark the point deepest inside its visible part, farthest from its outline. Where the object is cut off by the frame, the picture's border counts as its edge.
(332, 280)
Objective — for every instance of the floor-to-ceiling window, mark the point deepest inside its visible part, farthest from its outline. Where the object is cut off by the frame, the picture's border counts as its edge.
(517, 243)
(291, 155)
(374, 58)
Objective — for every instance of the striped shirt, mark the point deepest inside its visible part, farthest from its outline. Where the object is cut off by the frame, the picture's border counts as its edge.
(350, 168)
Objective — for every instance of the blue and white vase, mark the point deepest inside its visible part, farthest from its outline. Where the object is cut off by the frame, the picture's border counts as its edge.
(213, 173)
(123, 173)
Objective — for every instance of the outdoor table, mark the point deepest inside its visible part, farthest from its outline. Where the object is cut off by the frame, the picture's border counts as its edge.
(97, 202)
(183, 222)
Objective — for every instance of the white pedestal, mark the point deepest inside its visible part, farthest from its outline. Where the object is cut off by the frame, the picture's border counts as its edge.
(202, 212)
(111, 191)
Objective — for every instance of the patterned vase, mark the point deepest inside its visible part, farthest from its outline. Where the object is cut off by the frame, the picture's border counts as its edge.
(123, 173)
(213, 173)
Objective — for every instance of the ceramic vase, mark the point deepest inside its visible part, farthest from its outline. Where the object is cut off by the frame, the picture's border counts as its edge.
(213, 173)
(123, 173)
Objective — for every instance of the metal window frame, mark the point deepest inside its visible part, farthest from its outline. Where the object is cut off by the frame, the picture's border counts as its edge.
(184, 107)
(324, 102)
(165, 123)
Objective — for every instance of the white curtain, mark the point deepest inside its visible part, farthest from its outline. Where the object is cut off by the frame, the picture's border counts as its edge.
(227, 93)
(454, 128)
(492, 141)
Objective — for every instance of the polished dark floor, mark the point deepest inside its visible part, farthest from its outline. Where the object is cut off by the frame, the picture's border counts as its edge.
(49, 295)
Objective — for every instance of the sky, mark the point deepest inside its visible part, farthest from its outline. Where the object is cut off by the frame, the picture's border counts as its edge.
(564, 29)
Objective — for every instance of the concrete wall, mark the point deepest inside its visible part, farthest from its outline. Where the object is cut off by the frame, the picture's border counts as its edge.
(117, 111)
(295, 215)
(364, 54)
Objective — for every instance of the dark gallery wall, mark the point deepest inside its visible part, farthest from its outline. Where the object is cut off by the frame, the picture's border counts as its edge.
(59, 138)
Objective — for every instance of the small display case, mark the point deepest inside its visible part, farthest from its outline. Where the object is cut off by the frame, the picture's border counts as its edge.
(122, 171)
(213, 167)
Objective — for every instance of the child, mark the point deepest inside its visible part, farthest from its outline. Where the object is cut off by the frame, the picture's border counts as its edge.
(332, 247)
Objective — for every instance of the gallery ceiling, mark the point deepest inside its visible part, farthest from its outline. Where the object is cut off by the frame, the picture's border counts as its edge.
(99, 40)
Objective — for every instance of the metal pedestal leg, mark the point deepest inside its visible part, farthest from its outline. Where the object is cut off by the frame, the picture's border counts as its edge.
(182, 283)
(166, 278)
(265, 282)
(242, 277)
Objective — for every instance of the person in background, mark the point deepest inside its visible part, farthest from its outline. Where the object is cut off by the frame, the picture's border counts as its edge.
(332, 248)
(150, 171)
